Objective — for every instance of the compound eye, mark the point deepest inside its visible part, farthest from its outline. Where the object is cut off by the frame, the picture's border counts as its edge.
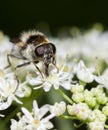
(39, 51)
(53, 47)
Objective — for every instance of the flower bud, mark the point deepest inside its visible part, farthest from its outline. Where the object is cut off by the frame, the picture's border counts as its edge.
(70, 109)
(77, 88)
(97, 90)
(99, 115)
(78, 97)
(101, 98)
(92, 116)
(105, 110)
(89, 99)
(80, 110)
(96, 125)
(28, 91)
(58, 108)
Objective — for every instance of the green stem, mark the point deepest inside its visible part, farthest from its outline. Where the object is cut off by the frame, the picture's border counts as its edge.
(106, 126)
(68, 117)
(82, 83)
(97, 106)
(77, 126)
(11, 115)
(65, 96)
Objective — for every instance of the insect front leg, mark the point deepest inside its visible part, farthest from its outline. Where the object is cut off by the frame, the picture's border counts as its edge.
(54, 63)
(21, 65)
(27, 63)
(34, 62)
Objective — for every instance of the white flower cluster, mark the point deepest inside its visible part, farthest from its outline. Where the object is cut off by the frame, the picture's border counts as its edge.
(89, 106)
(55, 79)
(10, 89)
(82, 73)
(89, 45)
(37, 119)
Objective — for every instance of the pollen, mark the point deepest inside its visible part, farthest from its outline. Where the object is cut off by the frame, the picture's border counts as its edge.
(1, 73)
(36, 122)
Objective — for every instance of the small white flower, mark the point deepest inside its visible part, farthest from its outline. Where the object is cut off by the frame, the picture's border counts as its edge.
(103, 79)
(9, 89)
(58, 108)
(17, 125)
(55, 79)
(83, 73)
(23, 90)
(5, 47)
(34, 120)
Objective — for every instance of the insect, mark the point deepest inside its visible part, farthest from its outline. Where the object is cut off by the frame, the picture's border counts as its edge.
(33, 46)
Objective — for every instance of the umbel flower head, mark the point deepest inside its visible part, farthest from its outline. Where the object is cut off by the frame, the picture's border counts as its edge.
(88, 102)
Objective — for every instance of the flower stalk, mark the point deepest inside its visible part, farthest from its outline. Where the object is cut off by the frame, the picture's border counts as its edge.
(65, 96)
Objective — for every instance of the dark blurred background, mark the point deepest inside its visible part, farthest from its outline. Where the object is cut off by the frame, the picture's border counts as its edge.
(18, 15)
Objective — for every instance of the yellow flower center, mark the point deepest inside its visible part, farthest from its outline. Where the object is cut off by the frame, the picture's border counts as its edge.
(52, 79)
(36, 123)
(1, 73)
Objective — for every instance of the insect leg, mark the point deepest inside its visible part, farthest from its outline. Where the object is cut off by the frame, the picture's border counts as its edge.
(18, 66)
(17, 81)
(8, 59)
(54, 60)
(38, 69)
(9, 62)
(54, 64)
(55, 67)
(24, 64)
(27, 63)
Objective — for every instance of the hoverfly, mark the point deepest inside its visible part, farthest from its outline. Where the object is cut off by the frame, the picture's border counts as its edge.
(33, 47)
